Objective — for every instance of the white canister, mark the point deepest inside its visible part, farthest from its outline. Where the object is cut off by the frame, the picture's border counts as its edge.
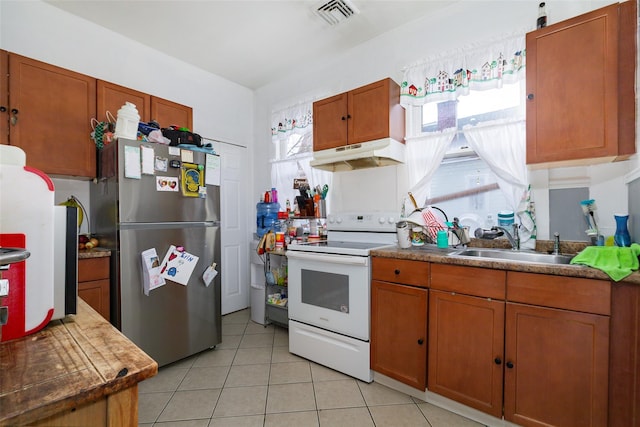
(403, 234)
(127, 121)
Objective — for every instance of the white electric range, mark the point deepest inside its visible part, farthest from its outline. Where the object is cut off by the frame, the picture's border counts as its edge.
(329, 291)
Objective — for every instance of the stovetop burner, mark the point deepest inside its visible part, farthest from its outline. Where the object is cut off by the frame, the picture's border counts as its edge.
(354, 234)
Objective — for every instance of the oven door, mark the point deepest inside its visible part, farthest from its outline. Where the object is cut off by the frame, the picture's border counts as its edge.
(330, 291)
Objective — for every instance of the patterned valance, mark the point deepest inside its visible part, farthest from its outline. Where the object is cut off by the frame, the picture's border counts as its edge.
(448, 76)
(295, 119)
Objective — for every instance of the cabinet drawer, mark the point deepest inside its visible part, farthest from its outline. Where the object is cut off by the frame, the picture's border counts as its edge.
(400, 271)
(482, 282)
(569, 293)
(93, 269)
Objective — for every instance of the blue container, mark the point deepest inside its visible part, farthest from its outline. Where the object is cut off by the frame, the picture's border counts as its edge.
(505, 218)
(266, 217)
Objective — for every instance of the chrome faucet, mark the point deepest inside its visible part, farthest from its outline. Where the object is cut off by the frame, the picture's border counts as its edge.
(514, 238)
(556, 243)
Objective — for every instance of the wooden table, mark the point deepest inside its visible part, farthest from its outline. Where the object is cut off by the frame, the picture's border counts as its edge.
(77, 371)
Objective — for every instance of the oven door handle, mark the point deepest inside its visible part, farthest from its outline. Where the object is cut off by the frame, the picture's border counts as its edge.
(336, 259)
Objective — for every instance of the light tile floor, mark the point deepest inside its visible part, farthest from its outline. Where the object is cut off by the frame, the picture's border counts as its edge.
(251, 379)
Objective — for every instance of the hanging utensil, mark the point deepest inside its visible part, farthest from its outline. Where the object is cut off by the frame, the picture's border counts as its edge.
(325, 190)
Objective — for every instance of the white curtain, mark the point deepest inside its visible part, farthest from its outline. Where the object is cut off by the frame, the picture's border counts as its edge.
(284, 172)
(502, 145)
(292, 135)
(424, 154)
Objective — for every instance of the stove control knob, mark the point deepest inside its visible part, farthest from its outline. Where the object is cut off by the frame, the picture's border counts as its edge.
(339, 220)
(392, 220)
(331, 219)
(381, 220)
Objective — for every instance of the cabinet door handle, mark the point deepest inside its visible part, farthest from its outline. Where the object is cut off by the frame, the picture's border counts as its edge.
(510, 365)
(420, 341)
(498, 361)
(530, 97)
(397, 271)
(348, 116)
(3, 109)
(343, 118)
(14, 116)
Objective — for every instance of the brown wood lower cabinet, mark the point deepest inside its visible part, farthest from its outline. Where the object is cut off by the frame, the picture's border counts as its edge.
(93, 284)
(556, 367)
(399, 332)
(466, 341)
(399, 320)
(532, 348)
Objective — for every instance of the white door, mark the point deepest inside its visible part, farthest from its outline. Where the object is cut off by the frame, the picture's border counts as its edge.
(234, 237)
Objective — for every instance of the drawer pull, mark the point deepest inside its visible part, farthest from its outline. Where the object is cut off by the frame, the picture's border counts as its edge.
(397, 271)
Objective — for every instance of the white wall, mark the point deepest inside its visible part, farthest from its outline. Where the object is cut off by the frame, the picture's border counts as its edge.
(222, 110)
(463, 24)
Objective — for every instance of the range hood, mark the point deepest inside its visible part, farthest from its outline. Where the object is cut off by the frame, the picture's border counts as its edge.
(381, 152)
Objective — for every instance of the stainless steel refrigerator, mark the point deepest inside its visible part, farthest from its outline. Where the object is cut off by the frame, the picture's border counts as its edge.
(136, 207)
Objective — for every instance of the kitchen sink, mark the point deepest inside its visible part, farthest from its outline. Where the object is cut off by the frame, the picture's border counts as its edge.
(511, 255)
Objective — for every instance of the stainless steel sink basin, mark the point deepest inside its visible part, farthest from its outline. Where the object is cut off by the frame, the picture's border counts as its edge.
(510, 255)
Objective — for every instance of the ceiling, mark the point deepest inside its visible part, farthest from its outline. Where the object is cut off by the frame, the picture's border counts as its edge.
(250, 42)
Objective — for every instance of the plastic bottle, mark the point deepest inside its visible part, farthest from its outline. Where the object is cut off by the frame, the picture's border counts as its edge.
(127, 121)
(266, 217)
(274, 195)
(542, 16)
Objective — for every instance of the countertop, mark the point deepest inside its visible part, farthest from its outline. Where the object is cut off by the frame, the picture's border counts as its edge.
(93, 253)
(435, 255)
(71, 362)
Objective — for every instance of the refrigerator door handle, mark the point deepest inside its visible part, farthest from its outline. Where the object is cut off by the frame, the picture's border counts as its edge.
(161, 225)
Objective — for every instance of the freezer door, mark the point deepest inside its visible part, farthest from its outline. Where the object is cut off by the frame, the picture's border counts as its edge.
(174, 321)
(145, 200)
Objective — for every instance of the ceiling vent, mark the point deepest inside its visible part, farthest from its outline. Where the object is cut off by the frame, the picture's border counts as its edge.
(336, 11)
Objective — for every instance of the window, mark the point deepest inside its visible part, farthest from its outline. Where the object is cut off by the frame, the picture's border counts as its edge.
(464, 185)
(472, 109)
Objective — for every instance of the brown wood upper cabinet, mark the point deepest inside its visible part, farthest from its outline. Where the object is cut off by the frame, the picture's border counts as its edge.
(112, 96)
(49, 113)
(580, 88)
(364, 114)
(168, 113)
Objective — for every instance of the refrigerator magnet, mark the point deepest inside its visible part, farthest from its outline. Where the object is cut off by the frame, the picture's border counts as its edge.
(167, 183)
(209, 274)
(151, 271)
(192, 179)
(178, 266)
(161, 164)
